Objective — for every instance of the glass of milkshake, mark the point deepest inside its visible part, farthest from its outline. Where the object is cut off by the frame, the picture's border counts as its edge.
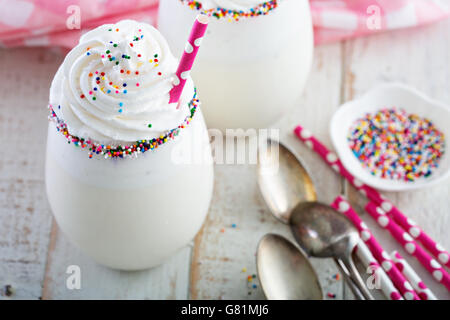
(255, 61)
(120, 175)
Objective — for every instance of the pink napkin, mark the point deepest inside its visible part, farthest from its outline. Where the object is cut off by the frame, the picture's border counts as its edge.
(336, 20)
(44, 22)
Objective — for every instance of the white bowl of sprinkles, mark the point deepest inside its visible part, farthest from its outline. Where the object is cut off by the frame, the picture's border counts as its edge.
(378, 169)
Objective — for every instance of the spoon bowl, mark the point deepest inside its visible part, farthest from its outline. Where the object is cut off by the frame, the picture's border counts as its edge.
(285, 272)
(325, 233)
(322, 231)
(283, 180)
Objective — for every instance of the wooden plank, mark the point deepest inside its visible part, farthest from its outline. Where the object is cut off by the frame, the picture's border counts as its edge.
(219, 257)
(418, 57)
(24, 213)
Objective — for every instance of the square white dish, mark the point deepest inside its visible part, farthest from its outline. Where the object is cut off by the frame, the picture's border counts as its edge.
(388, 96)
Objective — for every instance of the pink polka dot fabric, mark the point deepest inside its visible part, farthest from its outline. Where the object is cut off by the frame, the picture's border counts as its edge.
(336, 20)
(43, 22)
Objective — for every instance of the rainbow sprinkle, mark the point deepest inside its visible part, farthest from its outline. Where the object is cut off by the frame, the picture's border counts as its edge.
(122, 151)
(395, 145)
(109, 87)
(251, 282)
(261, 9)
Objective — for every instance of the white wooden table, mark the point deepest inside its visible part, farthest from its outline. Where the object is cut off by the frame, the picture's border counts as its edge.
(34, 255)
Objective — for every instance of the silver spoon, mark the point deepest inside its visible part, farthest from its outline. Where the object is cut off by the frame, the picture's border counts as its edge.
(284, 184)
(285, 272)
(323, 232)
(283, 181)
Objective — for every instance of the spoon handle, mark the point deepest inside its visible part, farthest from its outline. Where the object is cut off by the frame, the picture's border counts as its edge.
(356, 277)
(356, 292)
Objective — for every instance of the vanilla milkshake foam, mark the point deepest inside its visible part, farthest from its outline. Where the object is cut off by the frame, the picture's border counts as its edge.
(120, 177)
(254, 61)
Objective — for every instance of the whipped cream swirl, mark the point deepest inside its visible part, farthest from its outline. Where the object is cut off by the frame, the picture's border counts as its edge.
(231, 4)
(114, 85)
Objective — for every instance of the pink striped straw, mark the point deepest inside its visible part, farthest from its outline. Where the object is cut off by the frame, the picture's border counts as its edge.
(411, 275)
(382, 256)
(331, 159)
(402, 237)
(189, 54)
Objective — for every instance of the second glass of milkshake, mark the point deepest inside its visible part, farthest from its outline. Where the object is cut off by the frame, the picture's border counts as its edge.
(124, 177)
(254, 63)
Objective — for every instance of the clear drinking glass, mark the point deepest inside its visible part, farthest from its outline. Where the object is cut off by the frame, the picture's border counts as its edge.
(249, 72)
(128, 212)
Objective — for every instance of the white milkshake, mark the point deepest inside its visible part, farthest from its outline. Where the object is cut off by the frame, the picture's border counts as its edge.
(252, 68)
(125, 189)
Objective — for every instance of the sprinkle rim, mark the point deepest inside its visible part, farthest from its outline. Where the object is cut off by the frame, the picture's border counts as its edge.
(123, 151)
(260, 10)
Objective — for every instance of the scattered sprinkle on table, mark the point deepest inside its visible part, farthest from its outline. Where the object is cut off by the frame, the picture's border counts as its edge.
(8, 290)
(251, 280)
(395, 145)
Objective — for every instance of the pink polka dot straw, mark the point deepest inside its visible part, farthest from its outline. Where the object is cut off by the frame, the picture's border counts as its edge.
(368, 260)
(407, 224)
(411, 275)
(188, 57)
(407, 242)
(383, 258)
